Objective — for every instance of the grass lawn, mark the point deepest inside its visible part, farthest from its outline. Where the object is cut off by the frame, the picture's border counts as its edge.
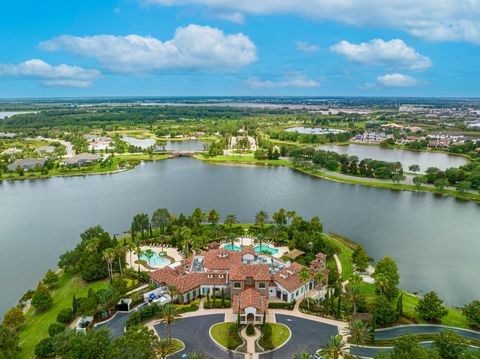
(36, 326)
(345, 257)
(226, 335)
(175, 346)
(243, 160)
(280, 333)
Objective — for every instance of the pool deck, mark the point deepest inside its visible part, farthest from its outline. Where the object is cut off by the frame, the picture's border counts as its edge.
(171, 252)
(249, 241)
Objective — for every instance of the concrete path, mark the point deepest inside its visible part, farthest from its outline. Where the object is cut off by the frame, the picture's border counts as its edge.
(251, 342)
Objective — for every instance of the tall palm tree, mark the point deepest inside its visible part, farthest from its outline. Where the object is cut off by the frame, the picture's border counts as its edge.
(335, 347)
(355, 295)
(261, 218)
(169, 316)
(120, 253)
(318, 278)
(149, 254)
(304, 276)
(358, 330)
(172, 291)
(109, 256)
(131, 248)
(230, 220)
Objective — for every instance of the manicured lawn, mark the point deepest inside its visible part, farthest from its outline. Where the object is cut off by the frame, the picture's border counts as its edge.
(243, 159)
(280, 333)
(36, 326)
(226, 335)
(345, 257)
(175, 346)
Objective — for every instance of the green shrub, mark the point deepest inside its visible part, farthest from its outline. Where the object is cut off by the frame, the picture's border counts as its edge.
(265, 340)
(234, 339)
(55, 328)
(65, 315)
(45, 348)
(282, 305)
(250, 330)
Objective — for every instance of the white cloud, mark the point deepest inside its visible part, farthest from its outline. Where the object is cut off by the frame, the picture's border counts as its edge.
(235, 17)
(61, 75)
(397, 80)
(437, 20)
(306, 46)
(393, 53)
(298, 81)
(192, 47)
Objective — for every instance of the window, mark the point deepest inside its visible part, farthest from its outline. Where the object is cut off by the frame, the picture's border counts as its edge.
(237, 285)
(261, 285)
(220, 276)
(210, 276)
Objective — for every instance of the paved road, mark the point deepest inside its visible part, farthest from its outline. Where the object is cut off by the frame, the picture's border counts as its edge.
(116, 324)
(307, 335)
(194, 333)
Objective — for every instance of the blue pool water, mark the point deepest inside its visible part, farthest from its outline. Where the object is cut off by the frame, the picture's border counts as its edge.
(233, 248)
(265, 248)
(156, 261)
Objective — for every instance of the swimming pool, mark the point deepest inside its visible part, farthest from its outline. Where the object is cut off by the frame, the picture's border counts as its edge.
(156, 261)
(233, 248)
(265, 248)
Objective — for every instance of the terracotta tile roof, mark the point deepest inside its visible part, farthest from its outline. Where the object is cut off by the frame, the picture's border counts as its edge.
(249, 298)
(289, 278)
(256, 271)
(321, 256)
(220, 259)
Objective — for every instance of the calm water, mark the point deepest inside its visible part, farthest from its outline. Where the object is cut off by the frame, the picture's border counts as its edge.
(435, 240)
(405, 157)
(313, 131)
(185, 145)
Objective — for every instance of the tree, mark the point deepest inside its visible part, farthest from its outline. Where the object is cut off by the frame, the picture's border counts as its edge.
(163, 348)
(418, 181)
(161, 219)
(335, 347)
(138, 342)
(355, 296)
(109, 256)
(384, 311)
(172, 291)
(387, 270)
(94, 344)
(169, 316)
(140, 223)
(13, 319)
(261, 218)
(414, 168)
(464, 186)
(65, 315)
(8, 343)
(441, 183)
(304, 276)
(302, 355)
(45, 348)
(407, 347)
(149, 254)
(358, 331)
(213, 217)
(50, 279)
(431, 308)
(280, 217)
(230, 220)
(472, 312)
(449, 344)
(55, 328)
(198, 217)
(195, 355)
(41, 299)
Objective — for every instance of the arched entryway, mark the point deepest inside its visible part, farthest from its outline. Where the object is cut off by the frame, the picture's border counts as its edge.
(250, 318)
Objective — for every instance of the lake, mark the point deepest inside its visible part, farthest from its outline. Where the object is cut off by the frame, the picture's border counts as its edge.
(433, 239)
(313, 130)
(405, 157)
(5, 114)
(184, 145)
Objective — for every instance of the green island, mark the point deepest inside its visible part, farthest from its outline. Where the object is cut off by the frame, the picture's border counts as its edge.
(281, 269)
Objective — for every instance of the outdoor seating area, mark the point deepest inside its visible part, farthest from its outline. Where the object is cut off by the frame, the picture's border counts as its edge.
(158, 295)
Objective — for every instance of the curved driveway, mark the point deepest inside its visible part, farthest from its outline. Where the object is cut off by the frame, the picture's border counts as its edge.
(394, 332)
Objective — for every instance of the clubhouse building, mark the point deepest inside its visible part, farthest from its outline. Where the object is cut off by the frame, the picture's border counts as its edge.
(251, 279)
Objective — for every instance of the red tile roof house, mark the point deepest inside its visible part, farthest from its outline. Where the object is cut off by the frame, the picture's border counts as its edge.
(249, 278)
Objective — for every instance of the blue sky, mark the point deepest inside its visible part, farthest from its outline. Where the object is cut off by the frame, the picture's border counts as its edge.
(249, 47)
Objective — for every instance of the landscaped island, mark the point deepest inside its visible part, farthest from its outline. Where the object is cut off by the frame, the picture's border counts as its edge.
(189, 284)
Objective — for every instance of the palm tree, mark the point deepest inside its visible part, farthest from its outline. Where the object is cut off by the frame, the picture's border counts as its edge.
(149, 254)
(169, 316)
(291, 214)
(131, 248)
(354, 294)
(318, 278)
(120, 253)
(261, 218)
(172, 291)
(138, 251)
(302, 355)
(230, 220)
(109, 256)
(358, 330)
(335, 347)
